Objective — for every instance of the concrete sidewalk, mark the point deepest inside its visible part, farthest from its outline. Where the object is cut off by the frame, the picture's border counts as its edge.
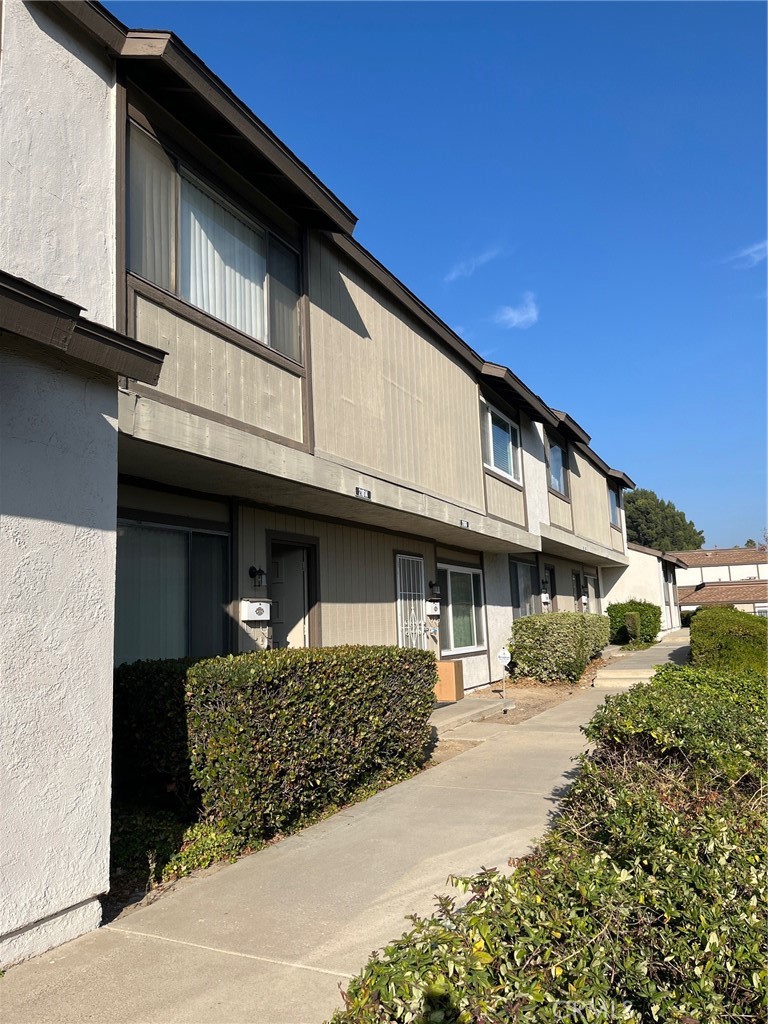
(638, 667)
(269, 940)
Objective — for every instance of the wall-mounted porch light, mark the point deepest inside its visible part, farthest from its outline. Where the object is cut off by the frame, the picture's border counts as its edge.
(434, 590)
(257, 575)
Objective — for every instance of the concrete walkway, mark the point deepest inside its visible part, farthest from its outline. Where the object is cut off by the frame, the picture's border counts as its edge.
(269, 940)
(638, 667)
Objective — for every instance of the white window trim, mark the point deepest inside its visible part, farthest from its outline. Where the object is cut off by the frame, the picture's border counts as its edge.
(516, 442)
(448, 604)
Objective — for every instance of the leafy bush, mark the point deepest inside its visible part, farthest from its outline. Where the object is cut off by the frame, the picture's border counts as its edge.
(724, 637)
(650, 620)
(150, 751)
(203, 844)
(557, 645)
(645, 902)
(632, 625)
(686, 617)
(278, 736)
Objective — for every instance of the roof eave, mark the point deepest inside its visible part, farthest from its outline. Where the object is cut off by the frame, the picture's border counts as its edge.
(128, 46)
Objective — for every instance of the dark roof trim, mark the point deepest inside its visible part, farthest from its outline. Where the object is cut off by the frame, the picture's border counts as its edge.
(659, 554)
(37, 315)
(128, 45)
(622, 479)
(570, 428)
(503, 381)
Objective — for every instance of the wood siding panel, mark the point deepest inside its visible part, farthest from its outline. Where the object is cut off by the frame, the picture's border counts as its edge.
(216, 374)
(560, 512)
(504, 501)
(386, 397)
(589, 495)
(356, 572)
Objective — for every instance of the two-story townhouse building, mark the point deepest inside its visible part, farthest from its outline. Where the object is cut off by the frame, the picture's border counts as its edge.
(321, 459)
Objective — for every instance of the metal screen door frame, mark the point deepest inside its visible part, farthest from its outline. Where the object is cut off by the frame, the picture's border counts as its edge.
(411, 595)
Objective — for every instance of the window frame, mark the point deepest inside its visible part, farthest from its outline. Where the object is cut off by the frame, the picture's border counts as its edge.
(515, 564)
(188, 168)
(615, 491)
(556, 442)
(489, 411)
(447, 606)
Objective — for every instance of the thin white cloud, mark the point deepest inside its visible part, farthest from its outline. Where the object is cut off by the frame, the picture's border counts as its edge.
(467, 267)
(749, 257)
(523, 316)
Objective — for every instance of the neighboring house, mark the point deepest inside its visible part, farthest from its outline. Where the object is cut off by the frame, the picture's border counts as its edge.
(724, 576)
(319, 459)
(650, 576)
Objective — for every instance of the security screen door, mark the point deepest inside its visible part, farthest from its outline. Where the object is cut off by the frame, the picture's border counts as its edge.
(411, 623)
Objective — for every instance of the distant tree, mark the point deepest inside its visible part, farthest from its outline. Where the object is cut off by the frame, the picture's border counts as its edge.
(750, 543)
(656, 523)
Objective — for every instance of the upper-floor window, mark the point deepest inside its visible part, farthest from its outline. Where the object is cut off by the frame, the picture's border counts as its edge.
(501, 443)
(613, 497)
(188, 239)
(558, 468)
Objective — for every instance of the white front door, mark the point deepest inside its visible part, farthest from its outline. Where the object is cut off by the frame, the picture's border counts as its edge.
(288, 589)
(411, 617)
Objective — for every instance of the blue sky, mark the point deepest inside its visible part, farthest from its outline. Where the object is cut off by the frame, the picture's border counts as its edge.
(578, 189)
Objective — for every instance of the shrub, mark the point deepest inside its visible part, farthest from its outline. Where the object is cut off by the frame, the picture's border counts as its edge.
(150, 752)
(723, 637)
(686, 617)
(649, 626)
(645, 902)
(202, 844)
(278, 736)
(632, 625)
(557, 645)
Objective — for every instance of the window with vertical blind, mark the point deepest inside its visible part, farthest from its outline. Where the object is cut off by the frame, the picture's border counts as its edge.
(188, 239)
(615, 504)
(501, 443)
(171, 593)
(524, 580)
(462, 627)
(558, 468)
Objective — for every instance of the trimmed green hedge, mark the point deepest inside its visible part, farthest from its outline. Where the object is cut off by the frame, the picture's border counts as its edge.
(649, 625)
(558, 645)
(646, 901)
(278, 736)
(150, 748)
(723, 637)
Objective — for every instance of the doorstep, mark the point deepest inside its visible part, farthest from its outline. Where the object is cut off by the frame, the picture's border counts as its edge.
(475, 709)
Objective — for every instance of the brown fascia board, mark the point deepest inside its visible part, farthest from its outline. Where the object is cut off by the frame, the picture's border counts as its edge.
(536, 408)
(659, 554)
(128, 45)
(622, 479)
(35, 314)
(568, 426)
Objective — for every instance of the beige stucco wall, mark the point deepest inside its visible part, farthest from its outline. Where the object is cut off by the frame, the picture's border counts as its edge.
(57, 173)
(58, 468)
(211, 372)
(643, 579)
(385, 395)
(498, 599)
(534, 473)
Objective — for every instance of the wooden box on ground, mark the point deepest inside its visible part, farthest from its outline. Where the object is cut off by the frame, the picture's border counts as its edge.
(450, 681)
